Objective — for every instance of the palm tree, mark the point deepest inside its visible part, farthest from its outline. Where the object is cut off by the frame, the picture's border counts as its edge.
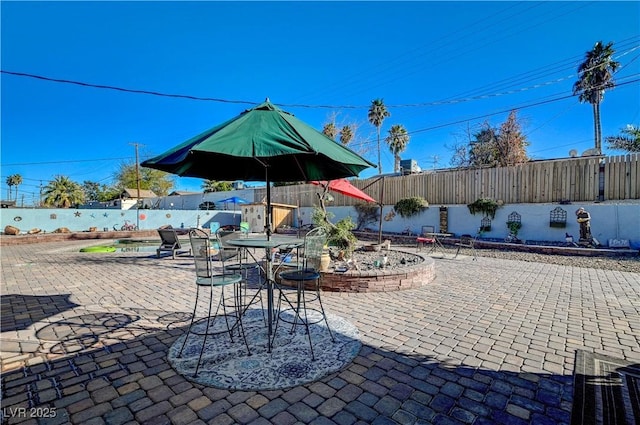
(398, 139)
(330, 130)
(16, 180)
(9, 182)
(346, 135)
(377, 113)
(595, 76)
(628, 140)
(62, 192)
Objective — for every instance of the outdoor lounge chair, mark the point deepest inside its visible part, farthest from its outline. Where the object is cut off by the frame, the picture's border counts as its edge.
(169, 242)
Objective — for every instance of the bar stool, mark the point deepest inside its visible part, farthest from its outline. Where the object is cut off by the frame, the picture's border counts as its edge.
(207, 278)
(242, 267)
(307, 289)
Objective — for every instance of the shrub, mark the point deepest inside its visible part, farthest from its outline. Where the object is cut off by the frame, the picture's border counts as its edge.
(408, 207)
(485, 206)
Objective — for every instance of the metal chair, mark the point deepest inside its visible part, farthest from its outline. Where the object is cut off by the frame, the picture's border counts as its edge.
(206, 277)
(242, 266)
(466, 241)
(245, 228)
(306, 279)
(424, 237)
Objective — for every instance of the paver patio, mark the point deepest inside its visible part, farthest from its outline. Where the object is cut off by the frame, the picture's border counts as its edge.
(85, 336)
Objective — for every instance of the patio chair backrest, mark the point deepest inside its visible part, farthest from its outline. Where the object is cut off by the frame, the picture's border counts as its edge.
(467, 241)
(314, 242)
(201, 248)
(169, 238)
(227, 251)
(214, 226)
(427, 229)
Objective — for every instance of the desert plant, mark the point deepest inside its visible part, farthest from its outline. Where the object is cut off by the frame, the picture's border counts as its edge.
(484, 206)
(340, 233)
(408, 207)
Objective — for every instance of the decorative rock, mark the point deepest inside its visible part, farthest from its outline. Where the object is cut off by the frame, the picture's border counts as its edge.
(11, 230)
(34, 231)
(62, 230)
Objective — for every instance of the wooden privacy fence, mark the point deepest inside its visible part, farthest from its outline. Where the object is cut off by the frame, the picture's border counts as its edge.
(572, 179)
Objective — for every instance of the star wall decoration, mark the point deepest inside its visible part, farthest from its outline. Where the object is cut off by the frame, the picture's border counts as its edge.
(77, 213)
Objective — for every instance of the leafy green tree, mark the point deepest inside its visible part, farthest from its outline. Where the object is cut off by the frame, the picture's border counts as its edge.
(482, 149)
(377, 113)
(398, 139)
(14, 180)
(628, 140)
(346, 135)
(216, 186)
(330, 130)
(94, 191)
(158, 181)
(595, 76)
(62, 192)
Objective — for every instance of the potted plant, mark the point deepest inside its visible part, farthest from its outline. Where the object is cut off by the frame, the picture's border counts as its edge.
(514, 227)
(408, 207)
(485, 206)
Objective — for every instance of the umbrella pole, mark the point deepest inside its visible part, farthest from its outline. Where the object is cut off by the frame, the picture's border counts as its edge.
(270, 277)
(267, 214)
(381, 206)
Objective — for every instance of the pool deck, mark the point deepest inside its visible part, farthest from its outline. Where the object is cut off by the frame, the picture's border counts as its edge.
(85, 336)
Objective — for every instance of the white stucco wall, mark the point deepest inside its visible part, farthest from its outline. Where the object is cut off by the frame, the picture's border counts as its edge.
(609, 220)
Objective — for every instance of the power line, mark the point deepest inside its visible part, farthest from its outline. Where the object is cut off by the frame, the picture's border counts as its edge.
(122, 89)
(62, 161)
(299, 105)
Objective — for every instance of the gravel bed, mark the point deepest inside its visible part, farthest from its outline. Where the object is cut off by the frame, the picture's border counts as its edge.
(625, 264)
(366, 259)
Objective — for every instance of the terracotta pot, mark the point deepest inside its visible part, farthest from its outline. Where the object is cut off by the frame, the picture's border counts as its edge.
(325, 261)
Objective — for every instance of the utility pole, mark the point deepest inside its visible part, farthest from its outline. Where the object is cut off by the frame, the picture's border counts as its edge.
(137, 186)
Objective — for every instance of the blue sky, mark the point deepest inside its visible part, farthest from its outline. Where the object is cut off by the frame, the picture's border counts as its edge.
(442, 69)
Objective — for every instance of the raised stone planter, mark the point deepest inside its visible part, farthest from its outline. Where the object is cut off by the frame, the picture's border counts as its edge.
(382, 280)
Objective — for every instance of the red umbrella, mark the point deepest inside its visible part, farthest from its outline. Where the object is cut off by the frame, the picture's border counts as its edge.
(344, 187)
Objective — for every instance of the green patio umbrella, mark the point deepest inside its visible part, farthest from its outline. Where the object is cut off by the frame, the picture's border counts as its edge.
(263, 143)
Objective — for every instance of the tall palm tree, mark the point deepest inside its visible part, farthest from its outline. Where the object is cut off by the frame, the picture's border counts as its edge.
(9, 182)
(398, 139)
(377, 113)
(16, 180)
(346, 135)
(62, 192)
(595, 76)
(330, 131)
